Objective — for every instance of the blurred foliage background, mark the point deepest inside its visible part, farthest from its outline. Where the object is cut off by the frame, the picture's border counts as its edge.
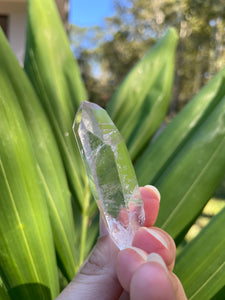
(114, 48)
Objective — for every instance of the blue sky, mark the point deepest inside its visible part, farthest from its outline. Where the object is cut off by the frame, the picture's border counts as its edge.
(89, 12)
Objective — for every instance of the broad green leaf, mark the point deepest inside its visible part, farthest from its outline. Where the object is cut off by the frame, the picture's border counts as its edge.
(140, 103)
(201, 265)
(34, 291)
(3, 292)
(50, 167)
(166, 146)
(194, 166)
(26, 246)
(4, 295)
(87, 225)
(54, 74)
(191, 179)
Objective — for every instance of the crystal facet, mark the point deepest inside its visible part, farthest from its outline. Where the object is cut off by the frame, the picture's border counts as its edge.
(110, 172)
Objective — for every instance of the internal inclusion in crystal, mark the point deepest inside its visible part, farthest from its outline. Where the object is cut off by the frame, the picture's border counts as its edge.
(110, 172)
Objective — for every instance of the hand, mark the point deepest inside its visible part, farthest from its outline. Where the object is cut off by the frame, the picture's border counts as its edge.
(143, 271)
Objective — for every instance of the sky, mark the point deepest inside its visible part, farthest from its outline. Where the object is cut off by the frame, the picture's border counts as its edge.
(87, 13)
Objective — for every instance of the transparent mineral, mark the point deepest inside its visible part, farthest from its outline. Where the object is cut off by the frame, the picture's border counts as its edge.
(110, 172)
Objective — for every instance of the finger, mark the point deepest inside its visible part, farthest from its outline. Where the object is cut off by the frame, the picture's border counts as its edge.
(128, 261)
(124, 296)
(97, 278)
(158, 241)
(131, 259)
(152, 281)
(178, 288)
(151, 199)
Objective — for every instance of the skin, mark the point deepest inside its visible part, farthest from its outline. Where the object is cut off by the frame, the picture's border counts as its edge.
(143, 271)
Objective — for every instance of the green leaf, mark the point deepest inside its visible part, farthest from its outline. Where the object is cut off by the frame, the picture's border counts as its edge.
(34, 291)
(193, 176)
(166, 146)
(4, 295)
(54, 74)
(140, 103)
(26, 246)
(3, 292)
(201, 265)
(88, 227)
(194, 168)
(50, 167)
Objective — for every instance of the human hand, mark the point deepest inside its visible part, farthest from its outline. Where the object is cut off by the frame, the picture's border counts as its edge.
(143, 271)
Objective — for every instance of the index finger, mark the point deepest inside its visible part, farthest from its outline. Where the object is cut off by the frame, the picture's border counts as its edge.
(151, 199)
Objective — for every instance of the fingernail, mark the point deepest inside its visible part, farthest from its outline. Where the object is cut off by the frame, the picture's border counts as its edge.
(157, 236)
(154, 257)
(139, 252)
(154, 189)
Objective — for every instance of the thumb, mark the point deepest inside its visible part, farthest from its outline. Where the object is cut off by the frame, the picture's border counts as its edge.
(97, 277)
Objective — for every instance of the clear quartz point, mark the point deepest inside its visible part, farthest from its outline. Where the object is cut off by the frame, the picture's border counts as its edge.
(110, 172)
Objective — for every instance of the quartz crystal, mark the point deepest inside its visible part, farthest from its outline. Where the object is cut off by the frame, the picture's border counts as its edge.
(110, 172)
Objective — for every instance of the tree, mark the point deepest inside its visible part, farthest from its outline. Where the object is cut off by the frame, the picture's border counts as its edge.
(134, 28)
